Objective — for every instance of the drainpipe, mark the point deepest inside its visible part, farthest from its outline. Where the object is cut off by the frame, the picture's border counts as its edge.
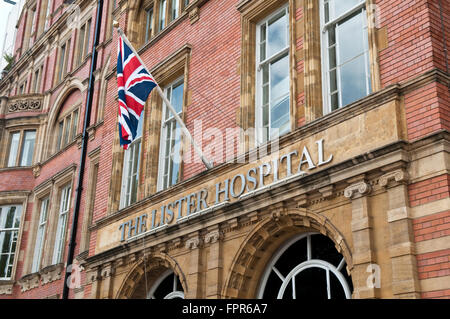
(87, 116)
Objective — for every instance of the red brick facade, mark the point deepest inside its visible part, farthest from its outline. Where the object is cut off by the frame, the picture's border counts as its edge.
(414, 48)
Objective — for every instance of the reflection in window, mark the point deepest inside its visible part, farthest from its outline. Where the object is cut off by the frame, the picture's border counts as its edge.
(162, 14)
(9, 233)
(67, 129)
(307, 266)
(168, 286)
(64, 206)
(149, 24)
(130, 171)
(345, 52)
(273, 76)
(170, 160)
(23, 141)
(39, 242)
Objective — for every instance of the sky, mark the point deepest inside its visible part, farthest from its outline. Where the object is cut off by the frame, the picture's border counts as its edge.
(5, 9)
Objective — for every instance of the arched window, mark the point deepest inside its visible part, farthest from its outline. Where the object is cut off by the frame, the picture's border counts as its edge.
(167, 286)
(307, 266)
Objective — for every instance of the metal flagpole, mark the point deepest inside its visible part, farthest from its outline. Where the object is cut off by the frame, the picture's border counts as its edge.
(186, 132)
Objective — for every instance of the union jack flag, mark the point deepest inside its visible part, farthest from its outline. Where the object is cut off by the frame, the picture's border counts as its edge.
(134, 84)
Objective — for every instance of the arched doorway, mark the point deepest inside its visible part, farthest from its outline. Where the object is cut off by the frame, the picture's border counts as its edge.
(306, 266)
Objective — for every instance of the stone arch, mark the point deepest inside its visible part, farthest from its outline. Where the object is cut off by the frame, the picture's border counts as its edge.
(154, 265)
(134, 25)
(55, 107)
(260, 244)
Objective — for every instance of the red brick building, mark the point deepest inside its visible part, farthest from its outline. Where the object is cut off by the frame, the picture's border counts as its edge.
(327, 122)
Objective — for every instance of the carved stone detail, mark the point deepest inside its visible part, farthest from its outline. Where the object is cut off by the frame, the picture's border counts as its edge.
(37, 170)
(6, 289)
(30, 281)
(213, 237)
(361, 188)
(51, 273)
(398, 175)
(193, 243)
(194, 15)
(25, 105)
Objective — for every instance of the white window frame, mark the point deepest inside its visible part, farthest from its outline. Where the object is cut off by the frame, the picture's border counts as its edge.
(309, 263)
(64, 207)
(259, 74)
(172, 295)
(40, 235)
(130, 178)
(16, 155)
(149, 17)
(163, 138)
(15, 239)
(324, 27)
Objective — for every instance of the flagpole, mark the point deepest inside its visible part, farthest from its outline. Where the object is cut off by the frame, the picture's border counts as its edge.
(186, 132)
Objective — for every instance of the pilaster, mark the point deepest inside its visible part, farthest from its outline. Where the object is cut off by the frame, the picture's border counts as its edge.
(401, 243)
(214, 263)
(195, 264)
(363, 253)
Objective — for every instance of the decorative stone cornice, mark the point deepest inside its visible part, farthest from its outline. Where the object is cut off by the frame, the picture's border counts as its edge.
(30, 281)
(399, 175)
(51, 273)
(357, 189)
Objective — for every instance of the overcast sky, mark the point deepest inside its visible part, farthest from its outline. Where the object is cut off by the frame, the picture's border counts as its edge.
(5, 9)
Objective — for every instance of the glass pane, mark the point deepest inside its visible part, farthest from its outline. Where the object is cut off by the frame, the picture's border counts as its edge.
(353, 80)
(74, 124)
(350, 33)
(10, 217)
(80, 43)
(88, 34)
(17, 216)
(27, 148)
(3, 265)
(162, 14)
(279, 79)
(263, 43)
(175, 9)
(338, 7)
(66, 130)
(176, 156)
(60, 131)
(336, 289)
(280, 117)
(311, 283)
(6, 242)
(14, 146)
(333, 81)
(332, 57)
(177, 97)
(277, 34)
(149, 22)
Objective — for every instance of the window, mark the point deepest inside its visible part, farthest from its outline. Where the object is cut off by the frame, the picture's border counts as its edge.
(307, 266)
(83, 41)
(37, 79)
(63, 60)
(130, 172)
(345, 53)
(148, 24)
(272, 56)
(67, 129)
(167, 286)
(170, 160)
(62, 223)
(23, 141)
(174, 9)
(33, 25)
(162, 14)
(22, 87)
(39, 242)
(9, 233)
(47, 15)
